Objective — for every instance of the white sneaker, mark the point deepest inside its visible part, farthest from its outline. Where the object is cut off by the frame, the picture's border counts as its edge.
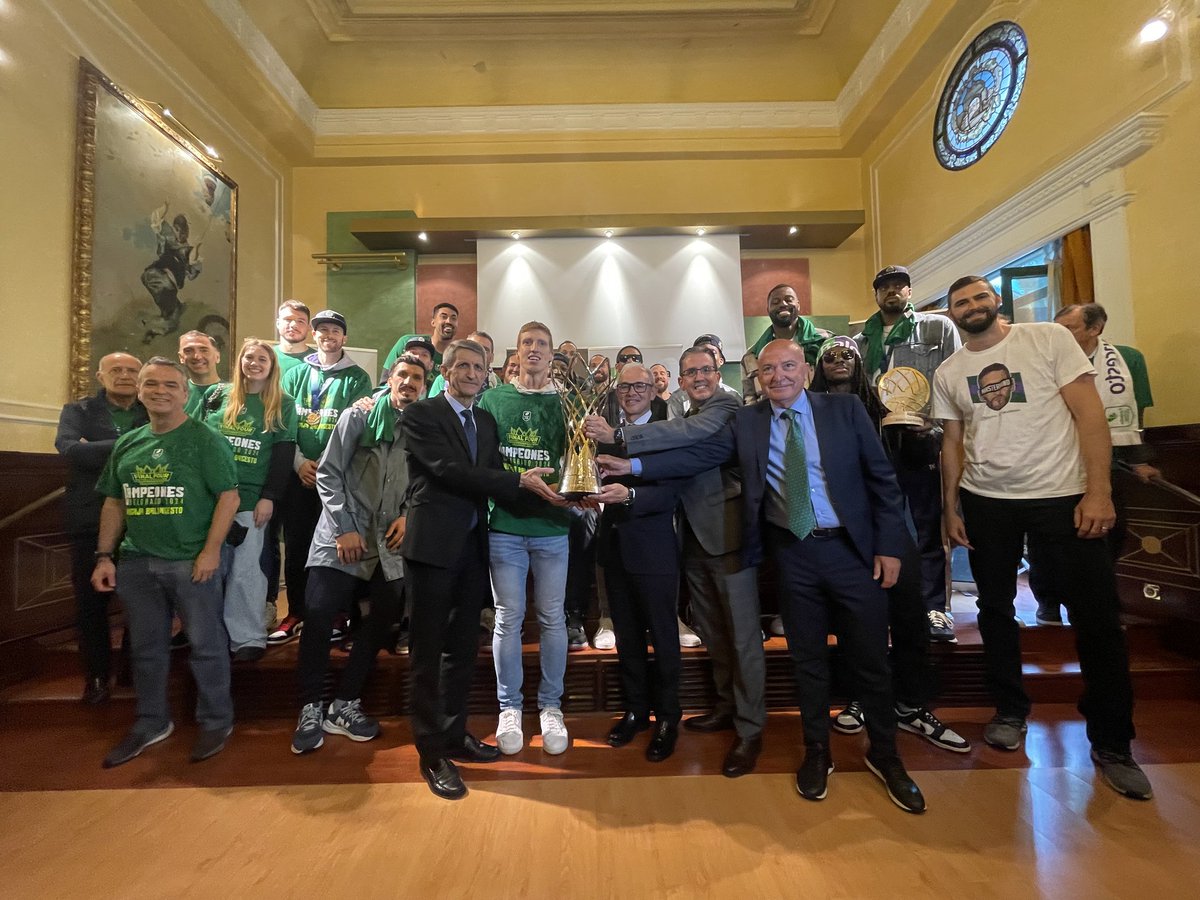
(605, 638)
(777, 626)
(554, 731)
(509, 736)
(687, 637)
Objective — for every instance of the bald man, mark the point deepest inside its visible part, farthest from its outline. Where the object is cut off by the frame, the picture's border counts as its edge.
(87, 430)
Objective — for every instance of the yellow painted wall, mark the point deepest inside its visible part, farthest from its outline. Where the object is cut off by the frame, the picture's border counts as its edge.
(1086, 74)
(40, 42)
(582, 188)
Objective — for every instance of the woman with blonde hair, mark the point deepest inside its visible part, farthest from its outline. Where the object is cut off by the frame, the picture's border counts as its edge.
(259, 420)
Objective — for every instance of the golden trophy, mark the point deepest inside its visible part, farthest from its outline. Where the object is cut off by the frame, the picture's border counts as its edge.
(581, 395)
(905, 392)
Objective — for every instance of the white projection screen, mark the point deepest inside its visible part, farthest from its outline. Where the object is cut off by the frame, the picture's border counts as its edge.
(658, 293)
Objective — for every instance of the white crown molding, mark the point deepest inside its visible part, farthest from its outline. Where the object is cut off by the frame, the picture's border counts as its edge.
(890, 37)
(824, 115)
(577, 117)
(1087, 185)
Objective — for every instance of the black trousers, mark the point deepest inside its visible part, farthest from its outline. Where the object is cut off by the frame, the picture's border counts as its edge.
(91, 610)
(303, 507)
(581, 565)
(1081, 574)
(332, 593)
(637, 603)
(444, 643)
(824, 579)
(922, 489)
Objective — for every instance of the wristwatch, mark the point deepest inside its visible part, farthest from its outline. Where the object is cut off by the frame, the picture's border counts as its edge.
(628, 501)
(103, 554)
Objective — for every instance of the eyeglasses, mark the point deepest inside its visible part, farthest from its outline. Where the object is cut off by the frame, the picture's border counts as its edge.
(638, 387)
(703, 370)
(838, 356)
(629, 357)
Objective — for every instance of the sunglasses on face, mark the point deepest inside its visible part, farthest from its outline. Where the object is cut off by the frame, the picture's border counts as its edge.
(629, 357)
(638, 387)
(838, 356)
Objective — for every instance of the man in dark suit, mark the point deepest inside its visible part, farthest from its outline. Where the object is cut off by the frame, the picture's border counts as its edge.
(87, 430)
(637, 547)
(454, 466)
(723, 591)
(820, 496)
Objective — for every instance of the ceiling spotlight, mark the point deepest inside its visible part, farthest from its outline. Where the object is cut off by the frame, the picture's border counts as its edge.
(210, 150)
(516, 235)
(422, 236)
(167, 113)
(608, 232)
(700, 232)
(1154, 30)
(793, 230)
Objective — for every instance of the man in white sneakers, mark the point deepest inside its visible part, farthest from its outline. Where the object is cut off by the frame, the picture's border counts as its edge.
(1026, 452)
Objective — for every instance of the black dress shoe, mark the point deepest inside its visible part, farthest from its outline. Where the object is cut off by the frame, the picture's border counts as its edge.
(742, 757)
(812, 778)
(476, 751)
(709, 723)
(902, 789)
(95, 692)
(627, 728)
(443, 779)
(662, 744)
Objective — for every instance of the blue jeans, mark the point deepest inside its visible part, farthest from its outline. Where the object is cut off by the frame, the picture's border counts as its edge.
(153, 590)
(512, 556)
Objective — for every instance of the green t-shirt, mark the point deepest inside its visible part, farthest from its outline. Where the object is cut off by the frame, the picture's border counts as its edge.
(288, 361)
(399, 348)
(1139, 375)
(122, 419)
(170, 484)
(335, 391)
(533, 435)
(196, 396)
(251, 443)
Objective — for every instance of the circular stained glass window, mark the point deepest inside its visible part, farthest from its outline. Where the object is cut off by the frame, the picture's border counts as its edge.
(981, 95)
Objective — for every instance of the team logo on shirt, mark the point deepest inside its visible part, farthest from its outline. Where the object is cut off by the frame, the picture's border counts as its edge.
(157, 453)
(145, 475)
(527, 416)
(240, 427)
(522, 437)
(996, 387)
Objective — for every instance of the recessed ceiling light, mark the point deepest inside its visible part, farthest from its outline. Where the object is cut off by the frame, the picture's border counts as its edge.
(1154, 30)
(793, 230)
(167, 113)
(422, 236)
(516, 235)
(211, 150)
(700, 232)
(608, 232)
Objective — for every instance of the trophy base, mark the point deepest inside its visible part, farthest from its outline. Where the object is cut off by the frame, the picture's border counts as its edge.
(903, 418)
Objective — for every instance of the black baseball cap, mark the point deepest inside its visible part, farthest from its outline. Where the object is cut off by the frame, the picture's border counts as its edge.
(329, 317)
(891, 272)
(423, 343)
(709, 339)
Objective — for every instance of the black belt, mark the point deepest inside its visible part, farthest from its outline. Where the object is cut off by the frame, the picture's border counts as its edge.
(828, 532)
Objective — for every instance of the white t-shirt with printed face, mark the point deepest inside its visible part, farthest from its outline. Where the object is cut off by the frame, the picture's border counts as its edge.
(1019, 435)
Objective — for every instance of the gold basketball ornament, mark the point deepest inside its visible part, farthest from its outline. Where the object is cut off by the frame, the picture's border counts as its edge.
(905, 392)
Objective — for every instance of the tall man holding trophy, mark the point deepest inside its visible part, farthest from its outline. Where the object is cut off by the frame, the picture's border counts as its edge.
(901, 348)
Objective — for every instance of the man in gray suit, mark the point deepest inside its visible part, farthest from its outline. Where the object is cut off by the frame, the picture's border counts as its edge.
(724, 592)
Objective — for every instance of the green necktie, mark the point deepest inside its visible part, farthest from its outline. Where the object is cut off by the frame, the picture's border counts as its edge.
(801, 518)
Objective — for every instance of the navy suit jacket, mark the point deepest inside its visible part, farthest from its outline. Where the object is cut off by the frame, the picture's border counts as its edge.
(862, 483)
(444, 486)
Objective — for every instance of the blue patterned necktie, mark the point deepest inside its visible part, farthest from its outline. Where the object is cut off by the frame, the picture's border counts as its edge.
(801, 518)
(472, 437)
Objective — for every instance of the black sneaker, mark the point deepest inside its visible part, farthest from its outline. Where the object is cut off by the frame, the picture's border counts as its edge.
(346, 717)
(1049, 614)
(1005, 732)
(850, 720)
(210, 743)
(576, 637)
(921, 721)
(133, 745)
(309, 734)
(941, 627)
(95, 692)
(1122, 774)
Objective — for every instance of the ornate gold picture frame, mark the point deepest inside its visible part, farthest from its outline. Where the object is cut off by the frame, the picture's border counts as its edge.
(155, 234)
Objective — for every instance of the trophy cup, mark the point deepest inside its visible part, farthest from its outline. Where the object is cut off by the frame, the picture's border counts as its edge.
(904, 391)
(580, 395)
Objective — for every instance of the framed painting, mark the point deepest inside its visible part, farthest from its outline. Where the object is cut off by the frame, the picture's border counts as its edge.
(155, 234)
